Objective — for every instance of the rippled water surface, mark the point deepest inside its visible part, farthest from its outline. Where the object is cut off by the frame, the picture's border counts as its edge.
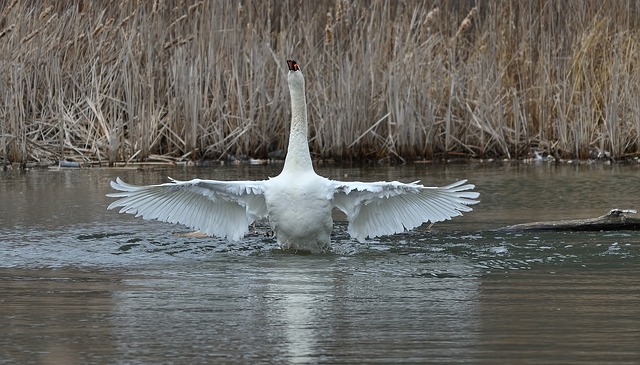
(83, 285)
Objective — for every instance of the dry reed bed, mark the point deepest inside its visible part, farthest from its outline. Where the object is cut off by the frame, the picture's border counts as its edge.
(124, 81)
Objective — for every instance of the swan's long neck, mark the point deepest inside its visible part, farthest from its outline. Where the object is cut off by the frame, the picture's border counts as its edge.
(298, 156)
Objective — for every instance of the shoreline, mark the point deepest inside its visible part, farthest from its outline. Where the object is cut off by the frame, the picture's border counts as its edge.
(74, 164)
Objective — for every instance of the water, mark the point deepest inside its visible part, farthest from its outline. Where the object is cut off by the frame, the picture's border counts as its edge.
(83, 285)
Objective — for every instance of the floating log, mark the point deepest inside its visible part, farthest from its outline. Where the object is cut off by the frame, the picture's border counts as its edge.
(615, 220)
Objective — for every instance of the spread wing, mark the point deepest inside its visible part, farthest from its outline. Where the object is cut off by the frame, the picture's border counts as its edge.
(220, 208)
(382, 208)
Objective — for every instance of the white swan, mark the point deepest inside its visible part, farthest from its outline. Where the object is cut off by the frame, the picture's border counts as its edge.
(298, 202)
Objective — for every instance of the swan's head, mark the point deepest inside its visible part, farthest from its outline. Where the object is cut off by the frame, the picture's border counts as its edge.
(295, 77)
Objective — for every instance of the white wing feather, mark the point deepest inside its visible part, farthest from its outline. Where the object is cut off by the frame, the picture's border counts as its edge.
(383, 208)
(220, 208)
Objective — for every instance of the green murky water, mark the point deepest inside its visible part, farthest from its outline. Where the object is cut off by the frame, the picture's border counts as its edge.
(83, 285)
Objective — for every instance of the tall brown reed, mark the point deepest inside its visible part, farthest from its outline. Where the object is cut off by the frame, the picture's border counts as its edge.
(131, 81)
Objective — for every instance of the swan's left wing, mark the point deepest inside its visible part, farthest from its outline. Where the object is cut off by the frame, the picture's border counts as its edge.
(220, 208)
(382, 208)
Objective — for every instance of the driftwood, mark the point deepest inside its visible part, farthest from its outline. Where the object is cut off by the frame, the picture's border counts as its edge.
(615, 220)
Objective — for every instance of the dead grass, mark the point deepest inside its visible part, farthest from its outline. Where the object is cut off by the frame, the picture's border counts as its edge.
(130, 80)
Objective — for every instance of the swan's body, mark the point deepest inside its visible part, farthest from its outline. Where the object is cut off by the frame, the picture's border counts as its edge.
(298, 202)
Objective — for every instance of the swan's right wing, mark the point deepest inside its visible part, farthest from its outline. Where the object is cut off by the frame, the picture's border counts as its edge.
(382, 208)
(220, 208)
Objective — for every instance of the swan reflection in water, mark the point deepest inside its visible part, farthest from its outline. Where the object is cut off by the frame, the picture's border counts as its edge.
(299, 309)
